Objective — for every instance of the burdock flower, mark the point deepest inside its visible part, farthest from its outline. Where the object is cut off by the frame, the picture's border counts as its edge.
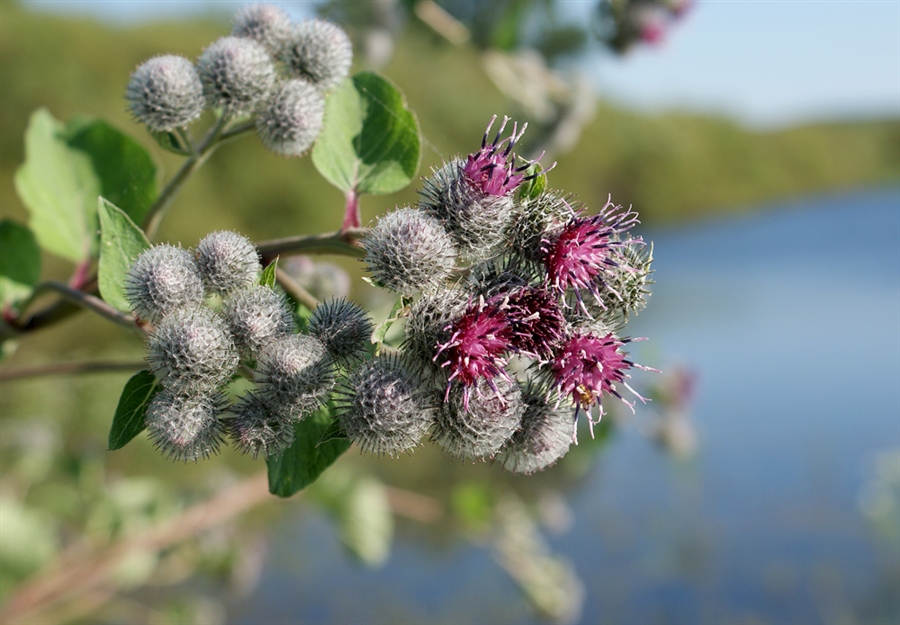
(492, 169)
(587, 250)
(479, 341)
(588, 365)
(536, 321)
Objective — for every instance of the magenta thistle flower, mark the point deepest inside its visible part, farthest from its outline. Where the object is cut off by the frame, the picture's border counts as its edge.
(536, 321)
(477, 347)
(586, 251)
(493, 168)
(587, 366)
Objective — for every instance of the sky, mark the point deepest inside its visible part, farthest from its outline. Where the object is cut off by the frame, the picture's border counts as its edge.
(765, 63)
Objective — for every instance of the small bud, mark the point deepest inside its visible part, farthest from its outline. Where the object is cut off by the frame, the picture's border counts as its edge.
(267, 24)
(545, 435)
(409, 251)
(538, 219)
(344, 328)
(165, 93)
(254, 427)
(257, 316)
(290, 121)
(296, 374)
(162, 279)
(236, 73)
(185, 427)
(479, 430)
(383, 407)
(191, 351)
(320, 53)
(227, 262)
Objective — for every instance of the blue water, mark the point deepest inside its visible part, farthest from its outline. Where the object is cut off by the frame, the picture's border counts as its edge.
(790, 319)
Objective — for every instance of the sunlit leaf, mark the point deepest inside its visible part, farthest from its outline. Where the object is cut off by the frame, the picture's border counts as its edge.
(121, 241)
(20, 262)
(128, 421)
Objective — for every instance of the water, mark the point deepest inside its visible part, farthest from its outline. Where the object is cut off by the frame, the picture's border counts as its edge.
(790, 320)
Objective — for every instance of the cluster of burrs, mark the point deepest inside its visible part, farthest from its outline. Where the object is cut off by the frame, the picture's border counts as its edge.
(212, 318)
(516, 299)
(270, 70)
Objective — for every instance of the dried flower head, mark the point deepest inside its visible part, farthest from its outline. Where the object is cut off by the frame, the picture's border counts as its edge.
(165, 93)
(344, 328)
(409, 251)
(268, 24)
(162, 279)
(257, 316)
(383, 407)
(185, 427)
(536, 321)
(236, 73)
(227, 262)
(191, 351)
(544, 436)
(320, 53)
(295, 375)
(477, 424)
(290, 121)
(254, 427)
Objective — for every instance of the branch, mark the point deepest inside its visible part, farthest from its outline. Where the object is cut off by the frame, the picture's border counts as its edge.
(342, 243)
(68, 368)
(92, 303)
(295, 290)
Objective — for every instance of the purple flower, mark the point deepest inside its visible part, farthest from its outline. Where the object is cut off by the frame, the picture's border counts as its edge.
(492, 168)
(477, 347)
(536, 320)
(586, 251)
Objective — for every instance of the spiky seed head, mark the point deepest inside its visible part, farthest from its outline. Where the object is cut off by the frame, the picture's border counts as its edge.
(267, 24)
(320, 53)
(254, 427)
(427, 323)
(544, 436)
(165, 93)
(185, 427)
(384, 407)
(191, 351)
(236, 73)
(409, 251)
(290, 120)
(296, 375)
(477, 424)
(478, 222)
(162, 279)
(227, 262)
(538, 219)
(257, 316)
(344, 328)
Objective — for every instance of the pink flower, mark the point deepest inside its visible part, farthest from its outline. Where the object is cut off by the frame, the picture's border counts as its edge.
(587, 250)
(492, 168)
(536, 320)
(479, 341)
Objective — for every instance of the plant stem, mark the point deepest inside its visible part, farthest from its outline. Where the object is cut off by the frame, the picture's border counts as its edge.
(293, 288)
(342, 243)
(352, 217)
(90, 302)
(68, 368)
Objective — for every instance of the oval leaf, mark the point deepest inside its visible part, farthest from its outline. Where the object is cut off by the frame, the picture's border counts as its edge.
(20, 262)
(121, 241)
(269, 275)
(307, 458)
(370, 142)
(128, 421)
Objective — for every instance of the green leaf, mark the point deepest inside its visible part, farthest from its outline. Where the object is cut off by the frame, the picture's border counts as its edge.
(121, 241)
(126, 172)
(532, 189)
(59, 187)
(397, 312)
(171, 142)
(306, 459)
(20, 262)
(128, 421)
(370, 142)
(268, 274)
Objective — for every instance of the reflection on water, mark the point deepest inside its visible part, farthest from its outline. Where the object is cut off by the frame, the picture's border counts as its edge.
(790, 322)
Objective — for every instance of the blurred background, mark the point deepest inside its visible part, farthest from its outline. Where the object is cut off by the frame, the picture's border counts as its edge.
(760, 143)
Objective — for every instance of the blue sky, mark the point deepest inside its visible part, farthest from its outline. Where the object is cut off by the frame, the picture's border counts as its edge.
(766, 63)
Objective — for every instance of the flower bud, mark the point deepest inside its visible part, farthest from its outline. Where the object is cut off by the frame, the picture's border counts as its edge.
(545, 435)
(290, 121)
(296, 374)
(165, 93)
(344, 328)
(320, 53)
(538, 219)
(185, 427)
(267, 24)
(383, 407)
(162, 279)
(191, 351)
(227, 262)
(254, 427)
(236, 73)
(477, 424)
(257, 316)
(409, 251)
